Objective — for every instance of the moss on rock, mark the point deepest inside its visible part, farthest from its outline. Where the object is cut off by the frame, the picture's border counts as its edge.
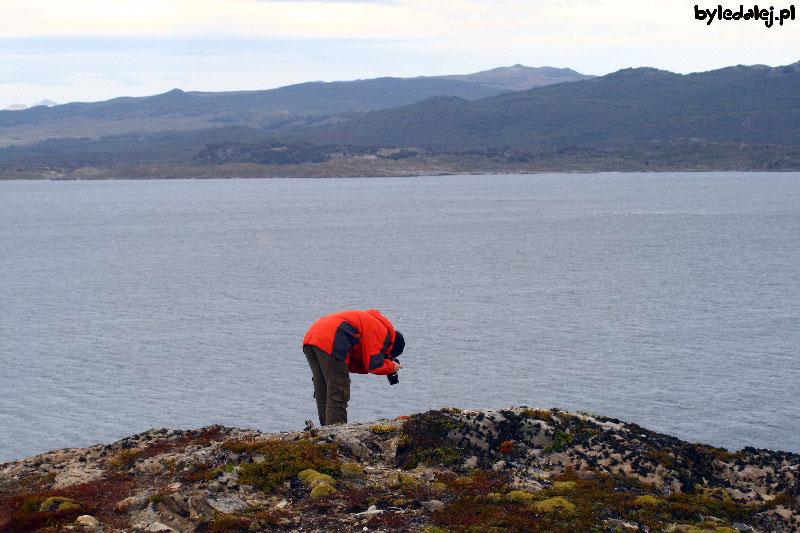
(322, 490)
(313, 478)
(563, 486)
(519, 496)
(58, 503)
(646, 500)
(556, 504)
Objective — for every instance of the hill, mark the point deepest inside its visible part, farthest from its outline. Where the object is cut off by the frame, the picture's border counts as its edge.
(515, 469)
(643, 119)
(755, 104)
(271, 109)
(520, 77)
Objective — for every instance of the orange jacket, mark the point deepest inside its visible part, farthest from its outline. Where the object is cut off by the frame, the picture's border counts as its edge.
(362, 339)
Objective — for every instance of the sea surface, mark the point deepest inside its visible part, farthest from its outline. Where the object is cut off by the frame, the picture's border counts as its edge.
(668, 300)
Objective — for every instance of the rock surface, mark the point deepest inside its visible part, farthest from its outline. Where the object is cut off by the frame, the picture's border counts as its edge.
(448, 470)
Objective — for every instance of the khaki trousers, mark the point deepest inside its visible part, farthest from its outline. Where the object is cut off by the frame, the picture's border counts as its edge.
(331, 385)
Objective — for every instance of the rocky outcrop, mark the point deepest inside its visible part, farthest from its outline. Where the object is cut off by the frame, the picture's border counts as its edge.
(448, 470)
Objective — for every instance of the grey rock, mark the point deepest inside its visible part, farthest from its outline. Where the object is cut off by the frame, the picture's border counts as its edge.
(149, 520)
(433, 505)
(499, 465)
(173, 519)
(226, 503)
(229, 478)
(199, 508)
(355, 447)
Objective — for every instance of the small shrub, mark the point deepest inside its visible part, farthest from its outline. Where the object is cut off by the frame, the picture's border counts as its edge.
(424, 439)
(125, 459)
(507, 446)
(561, 439)
(284, 460)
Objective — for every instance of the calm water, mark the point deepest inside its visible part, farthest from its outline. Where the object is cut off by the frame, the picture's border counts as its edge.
(669, 300)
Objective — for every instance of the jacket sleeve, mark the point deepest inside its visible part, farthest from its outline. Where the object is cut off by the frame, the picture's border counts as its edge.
(375, 354)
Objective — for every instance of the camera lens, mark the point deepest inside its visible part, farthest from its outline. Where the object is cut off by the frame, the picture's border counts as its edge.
(393, 379)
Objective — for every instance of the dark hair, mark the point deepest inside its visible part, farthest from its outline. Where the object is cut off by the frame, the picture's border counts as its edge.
(399, 344)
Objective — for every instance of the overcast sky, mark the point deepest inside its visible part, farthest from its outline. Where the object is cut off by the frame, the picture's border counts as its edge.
(89, 50)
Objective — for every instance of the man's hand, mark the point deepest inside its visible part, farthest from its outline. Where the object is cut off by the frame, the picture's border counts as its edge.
(397, 366)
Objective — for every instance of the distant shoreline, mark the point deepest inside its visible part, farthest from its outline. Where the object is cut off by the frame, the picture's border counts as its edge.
(429, 164)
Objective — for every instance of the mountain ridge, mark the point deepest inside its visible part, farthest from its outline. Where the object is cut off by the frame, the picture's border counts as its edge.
(271, 108)
(635, 119)
(735, 104)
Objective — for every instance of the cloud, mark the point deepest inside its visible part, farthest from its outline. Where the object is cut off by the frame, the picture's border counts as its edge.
(251, 44)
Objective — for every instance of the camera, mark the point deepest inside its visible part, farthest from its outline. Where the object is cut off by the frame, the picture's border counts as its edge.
(393, 377)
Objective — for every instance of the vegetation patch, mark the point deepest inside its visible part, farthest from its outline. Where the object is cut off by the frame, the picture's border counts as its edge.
(582, 502)
(284, 460)
(322, 490)
(383, 429)
(126, 458)
(313, 478)
(201, 437)
(561, 439)
(424, 439)
(253, 519)
(34, 511)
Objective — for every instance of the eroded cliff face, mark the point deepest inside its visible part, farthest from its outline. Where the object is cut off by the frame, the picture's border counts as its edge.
(448, 470)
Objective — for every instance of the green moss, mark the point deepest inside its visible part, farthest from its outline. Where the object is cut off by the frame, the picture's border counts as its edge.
(563, 486)
(553, 505)
(58, 503)
(518, 496)
(312, 477)
(405, 481)
(646, 500)
(379, 429)
(322, 491)
(284, 460)
(353, 468)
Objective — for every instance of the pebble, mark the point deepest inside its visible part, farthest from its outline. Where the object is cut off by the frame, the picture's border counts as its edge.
(87, 521)
(370, 512)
